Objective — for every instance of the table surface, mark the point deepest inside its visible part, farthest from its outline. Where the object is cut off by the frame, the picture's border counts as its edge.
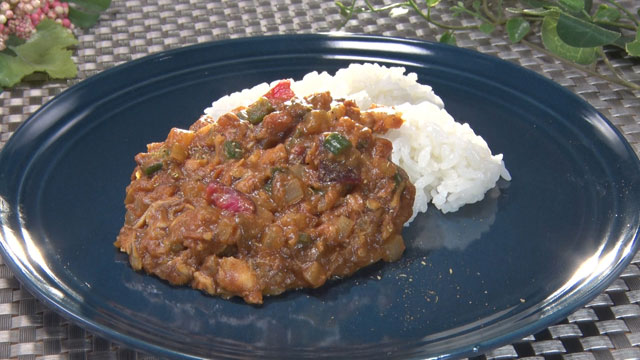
(606, 328)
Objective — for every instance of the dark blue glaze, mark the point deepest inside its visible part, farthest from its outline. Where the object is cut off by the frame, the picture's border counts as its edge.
(564, 228)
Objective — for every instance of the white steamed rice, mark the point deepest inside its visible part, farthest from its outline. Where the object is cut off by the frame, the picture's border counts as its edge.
(447, 162)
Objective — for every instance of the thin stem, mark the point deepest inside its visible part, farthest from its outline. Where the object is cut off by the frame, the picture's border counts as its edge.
(351, 10)
(385, 8)
(616, 80)
(347, 11)
(616, 24)
(474, 14)
(501, 17)
(608, 63)
(625, 11)
(585, 14)
(427, 17)
(488, 12)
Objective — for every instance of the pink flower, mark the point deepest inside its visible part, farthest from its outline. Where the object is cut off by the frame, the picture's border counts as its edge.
(20, 17)
(22, 27)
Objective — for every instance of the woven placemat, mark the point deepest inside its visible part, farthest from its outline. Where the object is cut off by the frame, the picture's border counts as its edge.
(606, 328)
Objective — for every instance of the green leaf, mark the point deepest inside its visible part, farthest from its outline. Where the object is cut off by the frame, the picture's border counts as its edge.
(449, 38)
(432, 3)
(95, 6)
(622, 41)
(607, 14)
(487, 28)
(476, 5)
(12, 70)
(83, 19)
(517, 29)
(583, 34)
(45, 51)
(14, 41)
(553, 43)
(85, 13)
(572, 5)
(633, 47)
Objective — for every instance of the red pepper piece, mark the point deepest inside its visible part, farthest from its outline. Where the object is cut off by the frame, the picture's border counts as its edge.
(228, 198)
(281, 92)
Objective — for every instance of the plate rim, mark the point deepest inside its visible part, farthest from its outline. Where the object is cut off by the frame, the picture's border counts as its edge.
(143, 345)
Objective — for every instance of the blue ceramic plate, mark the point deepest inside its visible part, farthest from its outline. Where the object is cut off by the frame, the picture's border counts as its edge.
(533, 251)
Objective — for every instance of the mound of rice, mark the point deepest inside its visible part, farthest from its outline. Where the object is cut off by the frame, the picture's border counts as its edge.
(447, 162)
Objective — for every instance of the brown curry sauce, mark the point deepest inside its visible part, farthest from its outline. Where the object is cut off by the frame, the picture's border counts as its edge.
(284, 194)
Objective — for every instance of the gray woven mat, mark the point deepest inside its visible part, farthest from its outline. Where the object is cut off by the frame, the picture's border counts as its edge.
(606, 328)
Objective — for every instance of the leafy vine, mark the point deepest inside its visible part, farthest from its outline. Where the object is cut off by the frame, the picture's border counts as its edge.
(576, 32)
